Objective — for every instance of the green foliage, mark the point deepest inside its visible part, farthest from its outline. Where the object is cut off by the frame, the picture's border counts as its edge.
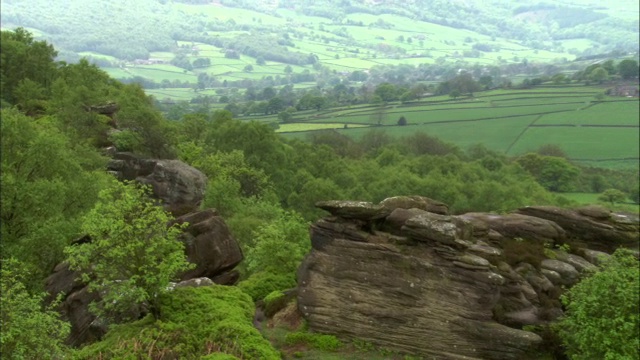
(554, 173)
(125, 140)
(261, 284)
(279, 245)
(602, 320)
(612, 196)
(48, 182)
(133, 254)
(628, 69)
(24, 59)
(211, 322)
(29, 330)
(317, 341)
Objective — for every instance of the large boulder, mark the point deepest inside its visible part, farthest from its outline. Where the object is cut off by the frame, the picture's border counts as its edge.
(179, 186)
(597, 227)
(398, 273)
(208, 244)
(397, 291)
(514, 226)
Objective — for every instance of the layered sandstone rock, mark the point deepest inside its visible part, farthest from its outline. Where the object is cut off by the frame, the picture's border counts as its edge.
(432, 284)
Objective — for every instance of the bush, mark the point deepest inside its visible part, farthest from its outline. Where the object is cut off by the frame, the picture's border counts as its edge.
(29, 331)
(602, 320)
(212, 320)
(261, 284)
(317, 341)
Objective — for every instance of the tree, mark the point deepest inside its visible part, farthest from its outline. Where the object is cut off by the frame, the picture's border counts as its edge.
(133, 253)
(23, 58)
(288, 69)
(553, 173)
(601, 319)
(612, 196)
(454, 94)
(248, 68)
(628, 69)
(29, 330)
(598, 75)
(260, 61)
(48, 181)
(279, 245)
(402, 121)
(387, 92)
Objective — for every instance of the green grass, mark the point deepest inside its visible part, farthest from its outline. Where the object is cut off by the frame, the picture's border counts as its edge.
(605, 113)
(296, 127)
(509, 121)
(582, 142)
(592, 199)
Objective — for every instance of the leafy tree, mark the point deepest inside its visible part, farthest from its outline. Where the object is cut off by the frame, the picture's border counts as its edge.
(47, 184)
(133, 253)
(454, 94)
(260, 60)
(554, 173)
(23, 58)
(601, 319)
(628, 69)
(280, 245)
(387, 92)
(28, 330)
(402, 121)
(248, 68)
(612, 196)
(598, 75)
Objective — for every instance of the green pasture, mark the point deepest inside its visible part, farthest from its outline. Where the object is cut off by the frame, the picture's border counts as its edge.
(592, 199)
(176, 94)
(97, 55)
(161, 72)
(509, 121)
(163, 55)
(588, 143)
(118, 73)
(297, 127)
(603, 113)
(422, 116)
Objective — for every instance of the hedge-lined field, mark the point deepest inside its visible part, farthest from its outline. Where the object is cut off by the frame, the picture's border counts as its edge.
(592, 132)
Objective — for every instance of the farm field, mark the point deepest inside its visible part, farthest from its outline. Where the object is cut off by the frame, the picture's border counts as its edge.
(512, 122)
(592, 199)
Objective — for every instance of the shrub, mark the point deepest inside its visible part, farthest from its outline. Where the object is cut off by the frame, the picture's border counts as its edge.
(262, 284)
(212, 320)
(317, 341)
(602, 320)
(29, 331)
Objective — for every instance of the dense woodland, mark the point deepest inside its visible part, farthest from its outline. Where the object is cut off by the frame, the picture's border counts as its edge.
(54, 179)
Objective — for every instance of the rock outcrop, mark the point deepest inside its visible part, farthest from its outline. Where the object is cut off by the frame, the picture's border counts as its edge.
(595, 225)
(179, 186)
(436, 285)
(208, 244)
